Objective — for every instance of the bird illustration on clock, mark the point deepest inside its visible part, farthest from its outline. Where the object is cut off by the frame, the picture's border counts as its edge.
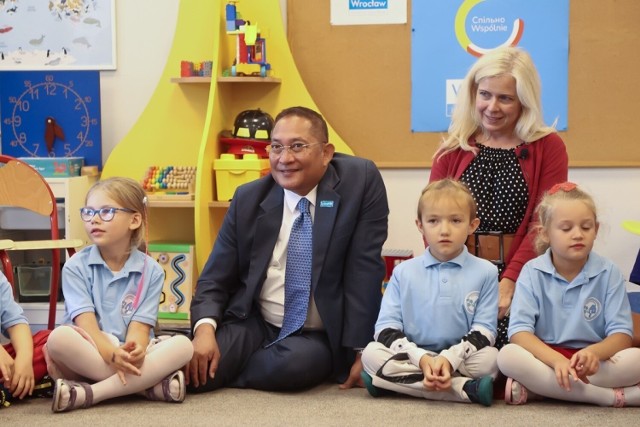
(52, 130)
(51, 114)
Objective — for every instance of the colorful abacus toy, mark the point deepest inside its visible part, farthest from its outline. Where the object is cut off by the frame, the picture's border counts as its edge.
(171, 182)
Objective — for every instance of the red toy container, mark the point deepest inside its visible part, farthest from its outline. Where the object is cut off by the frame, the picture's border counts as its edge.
(393, 257)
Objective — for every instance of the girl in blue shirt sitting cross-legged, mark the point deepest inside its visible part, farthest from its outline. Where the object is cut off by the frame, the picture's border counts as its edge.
(112, 290)
(570, 327)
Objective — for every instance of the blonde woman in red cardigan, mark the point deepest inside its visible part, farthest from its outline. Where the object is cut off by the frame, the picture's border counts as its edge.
(500, 147)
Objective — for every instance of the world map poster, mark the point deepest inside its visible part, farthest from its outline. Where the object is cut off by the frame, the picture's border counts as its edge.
(57, 35)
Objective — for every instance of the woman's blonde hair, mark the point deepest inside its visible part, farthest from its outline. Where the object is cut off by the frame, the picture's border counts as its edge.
(465, 121)
(129, 194)
(544, 211)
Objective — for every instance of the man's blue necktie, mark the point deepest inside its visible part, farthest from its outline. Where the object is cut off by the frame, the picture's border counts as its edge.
(297, 280)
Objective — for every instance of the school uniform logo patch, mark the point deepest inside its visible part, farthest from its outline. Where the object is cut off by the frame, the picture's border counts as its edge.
(126, 307)
(470, 301)
(591, 309)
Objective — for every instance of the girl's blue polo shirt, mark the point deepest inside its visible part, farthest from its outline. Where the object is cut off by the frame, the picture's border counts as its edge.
(11, 313)
(90, 286)
(577, 314)
(437, 303)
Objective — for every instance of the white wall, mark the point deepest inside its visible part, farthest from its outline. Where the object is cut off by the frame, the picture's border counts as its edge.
(144, 40)
(616, 192)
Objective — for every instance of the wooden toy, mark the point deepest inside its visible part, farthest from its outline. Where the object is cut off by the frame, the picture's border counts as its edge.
(177, 261)
(193, 69)
(170, 182)
(393, 257)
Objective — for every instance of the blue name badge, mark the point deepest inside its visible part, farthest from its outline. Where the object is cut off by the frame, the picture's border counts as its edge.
(326, 203)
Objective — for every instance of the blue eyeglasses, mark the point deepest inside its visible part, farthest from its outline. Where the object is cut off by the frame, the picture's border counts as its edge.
(105, 214)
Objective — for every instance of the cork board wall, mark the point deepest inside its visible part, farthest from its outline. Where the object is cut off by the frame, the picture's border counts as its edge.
(360, 78)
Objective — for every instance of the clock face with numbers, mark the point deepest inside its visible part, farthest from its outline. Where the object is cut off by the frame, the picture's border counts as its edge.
(51, 114)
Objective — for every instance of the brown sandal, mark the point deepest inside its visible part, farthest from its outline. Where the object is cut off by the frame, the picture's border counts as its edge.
(73, 394)
(166, 396)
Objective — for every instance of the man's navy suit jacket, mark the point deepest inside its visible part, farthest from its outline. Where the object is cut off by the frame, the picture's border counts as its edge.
(349, 229)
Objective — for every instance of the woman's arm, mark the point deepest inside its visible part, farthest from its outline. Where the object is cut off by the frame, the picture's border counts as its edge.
(549, 165)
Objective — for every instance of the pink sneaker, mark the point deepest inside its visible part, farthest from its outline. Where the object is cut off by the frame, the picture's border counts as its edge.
(619, 401)
(515, 393)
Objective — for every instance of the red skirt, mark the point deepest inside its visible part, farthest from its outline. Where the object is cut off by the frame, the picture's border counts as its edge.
(566, 352)
(39, 364)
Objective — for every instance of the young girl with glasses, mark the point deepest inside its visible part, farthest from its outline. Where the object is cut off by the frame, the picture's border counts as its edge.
(570, 327)
(106, 347)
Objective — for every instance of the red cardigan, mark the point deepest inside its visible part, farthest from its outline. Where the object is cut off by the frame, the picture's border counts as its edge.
(544, 164)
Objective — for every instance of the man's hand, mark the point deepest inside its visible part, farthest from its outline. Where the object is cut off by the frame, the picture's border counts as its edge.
(206, 354)
(354, 380)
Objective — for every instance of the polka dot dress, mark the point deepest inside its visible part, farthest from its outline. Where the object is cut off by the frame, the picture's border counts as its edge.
(500, 190)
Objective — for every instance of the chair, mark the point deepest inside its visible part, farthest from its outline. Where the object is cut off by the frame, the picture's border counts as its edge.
(21, 186)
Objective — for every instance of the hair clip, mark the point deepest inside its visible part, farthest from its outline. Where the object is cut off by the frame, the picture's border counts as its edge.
(564, 186)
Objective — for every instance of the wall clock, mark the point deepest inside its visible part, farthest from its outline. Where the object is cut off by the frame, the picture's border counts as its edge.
(51, 114)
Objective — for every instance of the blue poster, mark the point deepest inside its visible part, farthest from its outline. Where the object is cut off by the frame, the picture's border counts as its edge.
(448, 36)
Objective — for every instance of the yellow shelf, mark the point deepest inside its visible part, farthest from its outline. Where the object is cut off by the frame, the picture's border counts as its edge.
(171, 203)
(194, 79)
(183, 120)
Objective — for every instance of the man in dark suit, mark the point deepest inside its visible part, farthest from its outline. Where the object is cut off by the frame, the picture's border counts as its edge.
(239, 307)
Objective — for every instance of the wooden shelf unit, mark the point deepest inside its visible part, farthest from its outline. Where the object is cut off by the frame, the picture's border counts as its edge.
(182, 123)
(226, 79)
(240, 79)
(219, 205)
(194, 79)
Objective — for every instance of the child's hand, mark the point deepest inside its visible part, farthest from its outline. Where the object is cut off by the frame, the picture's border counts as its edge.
(563, 370)
(136, 353)
(441, 368)
(23, 378)
(121, 364)
(7, 366)
(437, 372)
(583, 364)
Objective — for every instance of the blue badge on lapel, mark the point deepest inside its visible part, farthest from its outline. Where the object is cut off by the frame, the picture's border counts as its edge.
(326, 203)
